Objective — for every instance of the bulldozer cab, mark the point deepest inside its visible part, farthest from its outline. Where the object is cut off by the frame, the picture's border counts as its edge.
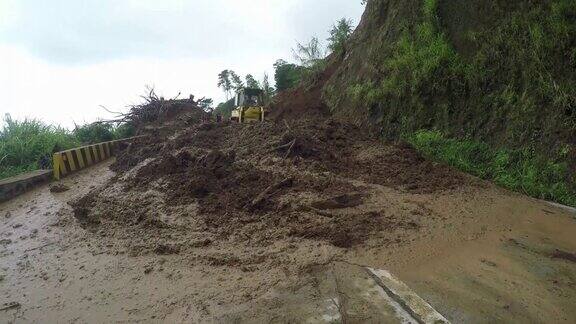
(249, 98)
(249, 105)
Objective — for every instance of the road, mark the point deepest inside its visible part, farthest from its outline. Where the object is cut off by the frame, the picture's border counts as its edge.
(487, 256)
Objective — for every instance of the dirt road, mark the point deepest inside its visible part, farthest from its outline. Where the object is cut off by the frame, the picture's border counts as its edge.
(477, 254)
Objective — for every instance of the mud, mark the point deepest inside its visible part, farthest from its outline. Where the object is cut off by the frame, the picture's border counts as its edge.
(563, 255)
(247, 183)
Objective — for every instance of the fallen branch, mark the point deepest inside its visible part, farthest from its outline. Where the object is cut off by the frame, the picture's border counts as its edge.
(40, 247)
(10, 306)
(118, 114)
(270, 190)
(287, 125)
(290, 149)
(277, 148)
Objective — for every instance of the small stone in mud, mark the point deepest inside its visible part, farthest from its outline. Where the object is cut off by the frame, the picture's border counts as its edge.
(16, 225)
(59, 187)
(8, 215)
(487, 262)
(148, 269)
(5, 242)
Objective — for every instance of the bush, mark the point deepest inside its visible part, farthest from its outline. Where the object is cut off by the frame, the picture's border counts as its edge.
(94, 133)
(123, 131)
(104, 132)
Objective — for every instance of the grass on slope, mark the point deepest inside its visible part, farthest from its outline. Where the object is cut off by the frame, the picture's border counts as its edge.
(519, 170)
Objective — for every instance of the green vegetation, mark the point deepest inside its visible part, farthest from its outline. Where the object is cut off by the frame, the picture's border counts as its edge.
(510, 79)
(251, 82)
(25, 145)
(339, 35)
(286, 75)
(521, 170)
(225, 108)
(229, 81)
(205, 103)
(94, 133)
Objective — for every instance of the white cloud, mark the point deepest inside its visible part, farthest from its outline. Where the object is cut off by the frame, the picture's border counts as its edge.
(8, 13)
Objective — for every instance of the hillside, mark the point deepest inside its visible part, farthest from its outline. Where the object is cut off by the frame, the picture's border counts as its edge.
(497, 74)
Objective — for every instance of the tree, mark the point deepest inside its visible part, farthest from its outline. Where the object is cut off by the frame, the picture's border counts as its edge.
(225, 108)
(205, 103)
(251, 82)
(228, 80)
(237, 83)
(267, 88)
(310, 54)
(286, 75)
(339, 34)
(225, 82)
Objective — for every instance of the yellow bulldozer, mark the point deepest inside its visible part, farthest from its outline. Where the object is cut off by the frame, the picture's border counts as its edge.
(249, 105)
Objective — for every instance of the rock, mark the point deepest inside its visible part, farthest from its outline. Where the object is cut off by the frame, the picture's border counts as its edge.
(5, 242)
(8, 215)
(488, 262)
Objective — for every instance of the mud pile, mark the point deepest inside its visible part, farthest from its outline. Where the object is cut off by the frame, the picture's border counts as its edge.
(305, 100)
(215, 185)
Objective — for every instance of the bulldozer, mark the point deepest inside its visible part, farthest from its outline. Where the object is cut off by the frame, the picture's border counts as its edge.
(249, 105)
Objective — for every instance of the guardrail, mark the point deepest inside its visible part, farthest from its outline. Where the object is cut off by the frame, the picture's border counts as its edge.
(75, 159)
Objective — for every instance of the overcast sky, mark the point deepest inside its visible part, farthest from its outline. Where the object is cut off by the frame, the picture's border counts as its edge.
(61, 59)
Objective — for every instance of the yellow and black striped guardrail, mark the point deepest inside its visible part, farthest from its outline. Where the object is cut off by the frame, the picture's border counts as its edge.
(66, 162)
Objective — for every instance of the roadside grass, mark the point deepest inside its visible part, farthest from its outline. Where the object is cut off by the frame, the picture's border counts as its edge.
(23, 144)
(520, 170)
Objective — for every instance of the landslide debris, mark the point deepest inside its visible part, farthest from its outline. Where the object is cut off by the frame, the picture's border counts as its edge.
(212, 185)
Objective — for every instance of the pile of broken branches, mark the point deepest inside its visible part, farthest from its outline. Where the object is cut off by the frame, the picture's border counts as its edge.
(152, 109)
